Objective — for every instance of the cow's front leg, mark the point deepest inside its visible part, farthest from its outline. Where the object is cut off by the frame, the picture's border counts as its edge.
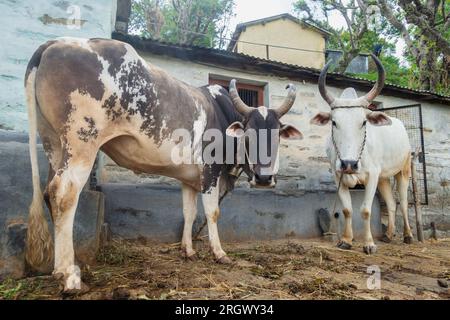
(212, 212)
(189, 213)
(366, 210)
(346, 200)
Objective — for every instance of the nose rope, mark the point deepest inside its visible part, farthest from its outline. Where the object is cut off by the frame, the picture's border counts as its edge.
(248, 160)
(338, 153)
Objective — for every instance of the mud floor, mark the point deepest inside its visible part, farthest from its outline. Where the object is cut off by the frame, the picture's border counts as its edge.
(287, 269)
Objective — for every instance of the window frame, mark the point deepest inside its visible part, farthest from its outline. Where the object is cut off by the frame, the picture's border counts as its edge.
(245, 86)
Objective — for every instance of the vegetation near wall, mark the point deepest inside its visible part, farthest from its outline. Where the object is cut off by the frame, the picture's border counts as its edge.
(378, 25)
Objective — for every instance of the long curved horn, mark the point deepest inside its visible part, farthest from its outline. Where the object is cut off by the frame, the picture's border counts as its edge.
(288, 102)
(380, 82)
(327, 96)
(240, 105)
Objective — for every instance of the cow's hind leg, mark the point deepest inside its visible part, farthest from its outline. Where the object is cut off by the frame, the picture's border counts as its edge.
(212, 212)
(403, 182)
(64, 190)
(53, 150)
(346, 200)
(189, 213)
(384, 186)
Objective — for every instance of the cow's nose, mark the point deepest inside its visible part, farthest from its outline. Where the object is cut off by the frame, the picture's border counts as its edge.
(263, 180)
(349, 165)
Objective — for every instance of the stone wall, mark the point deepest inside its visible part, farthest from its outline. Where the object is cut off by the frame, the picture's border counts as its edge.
(27, 24)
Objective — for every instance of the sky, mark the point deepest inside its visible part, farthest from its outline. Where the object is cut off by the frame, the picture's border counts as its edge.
(248, 10)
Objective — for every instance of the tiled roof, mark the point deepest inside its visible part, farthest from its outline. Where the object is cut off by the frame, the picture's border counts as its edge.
(243, 62)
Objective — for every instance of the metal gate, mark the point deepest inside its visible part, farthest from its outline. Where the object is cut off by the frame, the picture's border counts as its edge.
(411, 116)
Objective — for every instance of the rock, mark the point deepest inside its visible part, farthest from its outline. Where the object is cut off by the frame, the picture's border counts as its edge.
(420, 291)
(352, 286)
(442, 283)
(16, 236)
(12, 264)
(121, 294)
(324, 220)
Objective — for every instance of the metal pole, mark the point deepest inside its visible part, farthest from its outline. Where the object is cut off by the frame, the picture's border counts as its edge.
(417, 205)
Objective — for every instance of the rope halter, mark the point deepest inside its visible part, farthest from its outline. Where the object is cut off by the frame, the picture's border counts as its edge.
(363, 145)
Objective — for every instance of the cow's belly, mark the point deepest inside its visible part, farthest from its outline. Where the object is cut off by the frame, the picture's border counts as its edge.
(142, 155)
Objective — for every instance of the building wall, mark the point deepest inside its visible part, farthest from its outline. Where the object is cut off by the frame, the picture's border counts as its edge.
(284, 32)
(27, 24)
(304, 165)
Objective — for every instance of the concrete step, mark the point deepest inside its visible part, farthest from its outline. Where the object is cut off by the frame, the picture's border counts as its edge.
(155, 213)
(15, 197)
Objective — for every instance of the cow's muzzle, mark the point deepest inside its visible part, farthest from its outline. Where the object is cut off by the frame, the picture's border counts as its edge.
(263, 182)
(349, 166)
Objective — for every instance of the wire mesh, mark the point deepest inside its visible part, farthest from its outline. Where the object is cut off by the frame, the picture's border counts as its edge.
(411, 116)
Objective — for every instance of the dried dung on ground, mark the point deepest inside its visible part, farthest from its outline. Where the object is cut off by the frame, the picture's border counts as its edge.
(284, 269)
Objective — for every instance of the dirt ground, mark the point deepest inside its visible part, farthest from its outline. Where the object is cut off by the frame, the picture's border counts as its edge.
(285, 269)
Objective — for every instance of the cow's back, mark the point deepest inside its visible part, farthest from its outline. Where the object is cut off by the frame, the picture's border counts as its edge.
(388, 146)
(106, 80)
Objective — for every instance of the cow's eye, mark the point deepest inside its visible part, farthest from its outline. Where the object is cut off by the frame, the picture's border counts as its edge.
(334, 123)
(364, 123)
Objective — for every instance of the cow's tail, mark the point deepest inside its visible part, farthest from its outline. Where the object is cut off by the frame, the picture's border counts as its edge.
(39, 245)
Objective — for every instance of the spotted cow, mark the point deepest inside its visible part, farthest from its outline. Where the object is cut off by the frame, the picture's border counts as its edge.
(86, 95)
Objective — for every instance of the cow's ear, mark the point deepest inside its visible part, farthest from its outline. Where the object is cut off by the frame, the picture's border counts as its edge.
(235, 130)
(321, 119)
(288, 131)
(379, 118)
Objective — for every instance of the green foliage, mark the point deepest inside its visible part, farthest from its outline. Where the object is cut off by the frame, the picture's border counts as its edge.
(395, 74)
(10, 289)
(193, 22)
(386, 34)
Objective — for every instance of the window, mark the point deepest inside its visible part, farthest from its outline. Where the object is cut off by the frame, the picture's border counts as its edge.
(252, 95)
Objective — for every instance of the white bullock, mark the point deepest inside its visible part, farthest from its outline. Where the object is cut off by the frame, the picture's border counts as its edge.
(366, 147)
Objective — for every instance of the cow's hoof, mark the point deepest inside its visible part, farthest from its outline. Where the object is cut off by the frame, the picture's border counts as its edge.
(408, 239)
(83, 288)
(225, 260)
(386, 239)
(191, 257)
(344, 245)
(70, 285)
(370, 249)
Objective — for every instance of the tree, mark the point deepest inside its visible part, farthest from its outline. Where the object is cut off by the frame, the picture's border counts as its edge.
(191, 22)
(424, 25)
(147, 17)
(348, 40)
